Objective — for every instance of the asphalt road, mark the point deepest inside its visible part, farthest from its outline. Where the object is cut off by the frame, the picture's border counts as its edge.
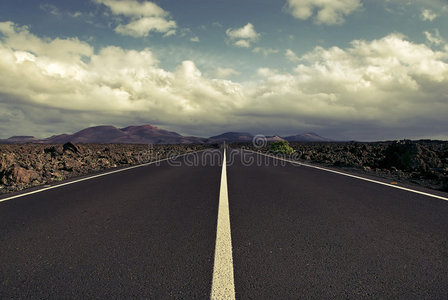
(302, 233)
(296, 233)
(147, 232)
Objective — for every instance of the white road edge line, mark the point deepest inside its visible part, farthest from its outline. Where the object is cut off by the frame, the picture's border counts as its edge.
(94, 176)
(353, 176)
(223, 286)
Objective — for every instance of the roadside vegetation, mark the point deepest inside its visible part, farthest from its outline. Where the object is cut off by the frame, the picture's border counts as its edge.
(281, 147)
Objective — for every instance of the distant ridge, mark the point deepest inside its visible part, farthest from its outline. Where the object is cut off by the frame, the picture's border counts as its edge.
(307, 137)
(232, 137)
(144, 134)
(247, 137)
(149, 134)
(22, 139)
(274, 138)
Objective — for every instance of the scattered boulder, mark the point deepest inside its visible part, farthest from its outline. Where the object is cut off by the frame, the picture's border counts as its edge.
(21, 175)
(70, 165)
(53, 151)
(445, 183)
(410, 157)
(70, 147)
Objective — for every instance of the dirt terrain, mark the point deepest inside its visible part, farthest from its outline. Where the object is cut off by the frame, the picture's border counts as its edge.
(27, 165)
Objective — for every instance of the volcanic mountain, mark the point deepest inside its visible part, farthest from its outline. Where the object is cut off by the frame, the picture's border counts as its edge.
(248, 137)
(232, 137)
(149, 134)
(307, 137)
(20, 139)
(145, 134)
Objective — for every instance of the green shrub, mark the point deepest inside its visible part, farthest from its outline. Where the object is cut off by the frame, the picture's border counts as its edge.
(281, 147)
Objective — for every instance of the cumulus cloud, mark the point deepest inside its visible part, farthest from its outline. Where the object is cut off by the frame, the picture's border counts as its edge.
(226, 72)
(291, 56)
(428, 15)
(19, 37)
(390, 84)
(329, 12)
(244, 36)
(145, 17)
(386, 83)
(384, 88)
(134, 8)
(67, 75)
(195, 39)
(242, 44)
(143, 26)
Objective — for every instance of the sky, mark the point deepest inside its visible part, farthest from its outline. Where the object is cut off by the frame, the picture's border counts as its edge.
(346, 69)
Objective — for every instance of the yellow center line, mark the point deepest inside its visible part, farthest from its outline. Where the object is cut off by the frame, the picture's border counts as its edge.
(223, 286)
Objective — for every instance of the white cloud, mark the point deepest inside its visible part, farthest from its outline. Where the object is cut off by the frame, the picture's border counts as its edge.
(76, 14)
(195, 39)
(67, 75)
(226, 72)
(371, 89)
(61, 49)
(170, 33)
(429, 9)
(247, 32)
(52, 9)
(143, 26)
(242, 44)
(329, 12)
(391, 63)
(134, 8)
(385, 86)
(387, 82)
(428, 15)
(291, 56)
(55, 11)
(244, 36)
(265, 51)
(145, 17)
(435, 38)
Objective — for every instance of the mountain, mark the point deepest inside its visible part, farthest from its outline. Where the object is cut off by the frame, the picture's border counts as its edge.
(248, 137)
(148, 134)
(151, 134)
(232, 137)
(307, 137)
(145, 134)
(274, 138)
(97, 134)
(20, 140)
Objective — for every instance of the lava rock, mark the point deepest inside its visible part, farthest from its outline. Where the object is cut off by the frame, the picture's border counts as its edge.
(27, 165)
(70, 147)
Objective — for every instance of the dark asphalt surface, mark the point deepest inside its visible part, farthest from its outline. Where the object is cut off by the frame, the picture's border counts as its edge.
(297, 233)
(301, 233)
(146, 233)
